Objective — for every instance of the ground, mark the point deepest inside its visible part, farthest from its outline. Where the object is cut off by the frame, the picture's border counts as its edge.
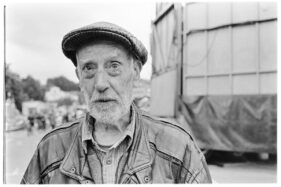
(20, 147)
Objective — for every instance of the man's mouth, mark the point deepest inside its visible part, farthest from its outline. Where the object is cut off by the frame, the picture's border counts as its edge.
(104, 100)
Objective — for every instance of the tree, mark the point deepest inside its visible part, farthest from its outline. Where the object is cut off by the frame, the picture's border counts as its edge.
(63, 83)
(14, 88)
(33, 88)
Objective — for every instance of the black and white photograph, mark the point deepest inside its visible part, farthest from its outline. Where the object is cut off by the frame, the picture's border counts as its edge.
(140, 92)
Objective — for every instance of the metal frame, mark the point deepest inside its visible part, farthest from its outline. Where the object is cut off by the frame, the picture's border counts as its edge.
(163, 13)
(232, 73)
(229, 25)
(175, 67)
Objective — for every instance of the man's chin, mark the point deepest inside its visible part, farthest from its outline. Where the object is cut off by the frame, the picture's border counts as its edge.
(104, 107)
(106, 115)
(105, 118)
(110, 114)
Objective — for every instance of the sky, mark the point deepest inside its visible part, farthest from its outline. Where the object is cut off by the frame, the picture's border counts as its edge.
(34, 33)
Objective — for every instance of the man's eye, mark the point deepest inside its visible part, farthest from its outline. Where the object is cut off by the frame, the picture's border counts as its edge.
(114, 68)
(89, 70)
(115, 65)
(88, 67)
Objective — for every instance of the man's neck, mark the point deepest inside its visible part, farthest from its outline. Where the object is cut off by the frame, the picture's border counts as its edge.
(108, 134)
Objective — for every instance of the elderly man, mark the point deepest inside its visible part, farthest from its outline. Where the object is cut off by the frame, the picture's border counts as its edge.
(115, 142)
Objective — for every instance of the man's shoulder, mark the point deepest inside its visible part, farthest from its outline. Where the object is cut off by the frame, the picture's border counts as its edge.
(58, 140)
(168, 136)
(51, 151)
(168, 125)
(66, 130)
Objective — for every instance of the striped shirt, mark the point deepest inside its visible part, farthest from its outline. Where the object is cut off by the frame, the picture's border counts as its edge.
(104, 172)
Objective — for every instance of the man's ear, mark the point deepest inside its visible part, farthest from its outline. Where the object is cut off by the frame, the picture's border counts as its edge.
(137, 69)
(77, 73)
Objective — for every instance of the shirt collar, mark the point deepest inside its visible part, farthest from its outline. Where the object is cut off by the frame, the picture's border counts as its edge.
(87, 129)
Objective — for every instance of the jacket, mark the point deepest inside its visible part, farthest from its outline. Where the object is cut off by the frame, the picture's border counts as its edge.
(161, 152)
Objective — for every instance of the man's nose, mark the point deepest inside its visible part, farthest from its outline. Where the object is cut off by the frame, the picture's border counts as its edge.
(101, 81)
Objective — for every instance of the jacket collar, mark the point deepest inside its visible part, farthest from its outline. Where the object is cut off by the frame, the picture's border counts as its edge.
(74, 158)
(139, 158)
(140, 155)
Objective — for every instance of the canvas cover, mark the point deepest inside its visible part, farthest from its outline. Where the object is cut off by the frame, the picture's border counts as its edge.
(244, 123)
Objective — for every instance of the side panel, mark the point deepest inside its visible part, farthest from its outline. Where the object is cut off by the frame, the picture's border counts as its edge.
(227, 87)
(166, 57)
(229, 43)
(163, 94)
(230, 75)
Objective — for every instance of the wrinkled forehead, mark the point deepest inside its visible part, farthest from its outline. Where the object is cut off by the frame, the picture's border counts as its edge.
(113, 46)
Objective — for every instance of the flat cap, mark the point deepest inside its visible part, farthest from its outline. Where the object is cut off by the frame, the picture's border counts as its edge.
(102, 30)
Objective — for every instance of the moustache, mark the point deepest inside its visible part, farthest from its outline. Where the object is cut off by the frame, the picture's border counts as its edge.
(104, 99)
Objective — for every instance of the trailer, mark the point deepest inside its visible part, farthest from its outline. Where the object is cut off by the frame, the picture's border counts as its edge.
(215, 71)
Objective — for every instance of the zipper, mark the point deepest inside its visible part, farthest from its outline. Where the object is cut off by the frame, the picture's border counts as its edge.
(54, 166)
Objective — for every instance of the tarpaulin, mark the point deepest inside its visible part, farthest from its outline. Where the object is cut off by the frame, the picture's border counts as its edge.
(244, 123)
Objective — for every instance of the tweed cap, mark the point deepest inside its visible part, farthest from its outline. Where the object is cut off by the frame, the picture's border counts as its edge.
(99, 31)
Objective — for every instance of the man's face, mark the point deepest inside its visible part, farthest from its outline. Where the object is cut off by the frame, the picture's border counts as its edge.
(106, 74)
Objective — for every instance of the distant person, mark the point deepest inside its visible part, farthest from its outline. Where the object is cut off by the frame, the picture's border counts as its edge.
(40, 119)
(30, 124)
(65, 118)
(114, 142)
(31, 120)
(52, 119)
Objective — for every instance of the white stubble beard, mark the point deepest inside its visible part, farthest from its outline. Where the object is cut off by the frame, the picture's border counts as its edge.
(107, 114)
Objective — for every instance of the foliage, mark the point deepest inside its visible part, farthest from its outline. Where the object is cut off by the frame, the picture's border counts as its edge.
(13, 88)
(30, 89)
(33, 88)
(63, 83)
